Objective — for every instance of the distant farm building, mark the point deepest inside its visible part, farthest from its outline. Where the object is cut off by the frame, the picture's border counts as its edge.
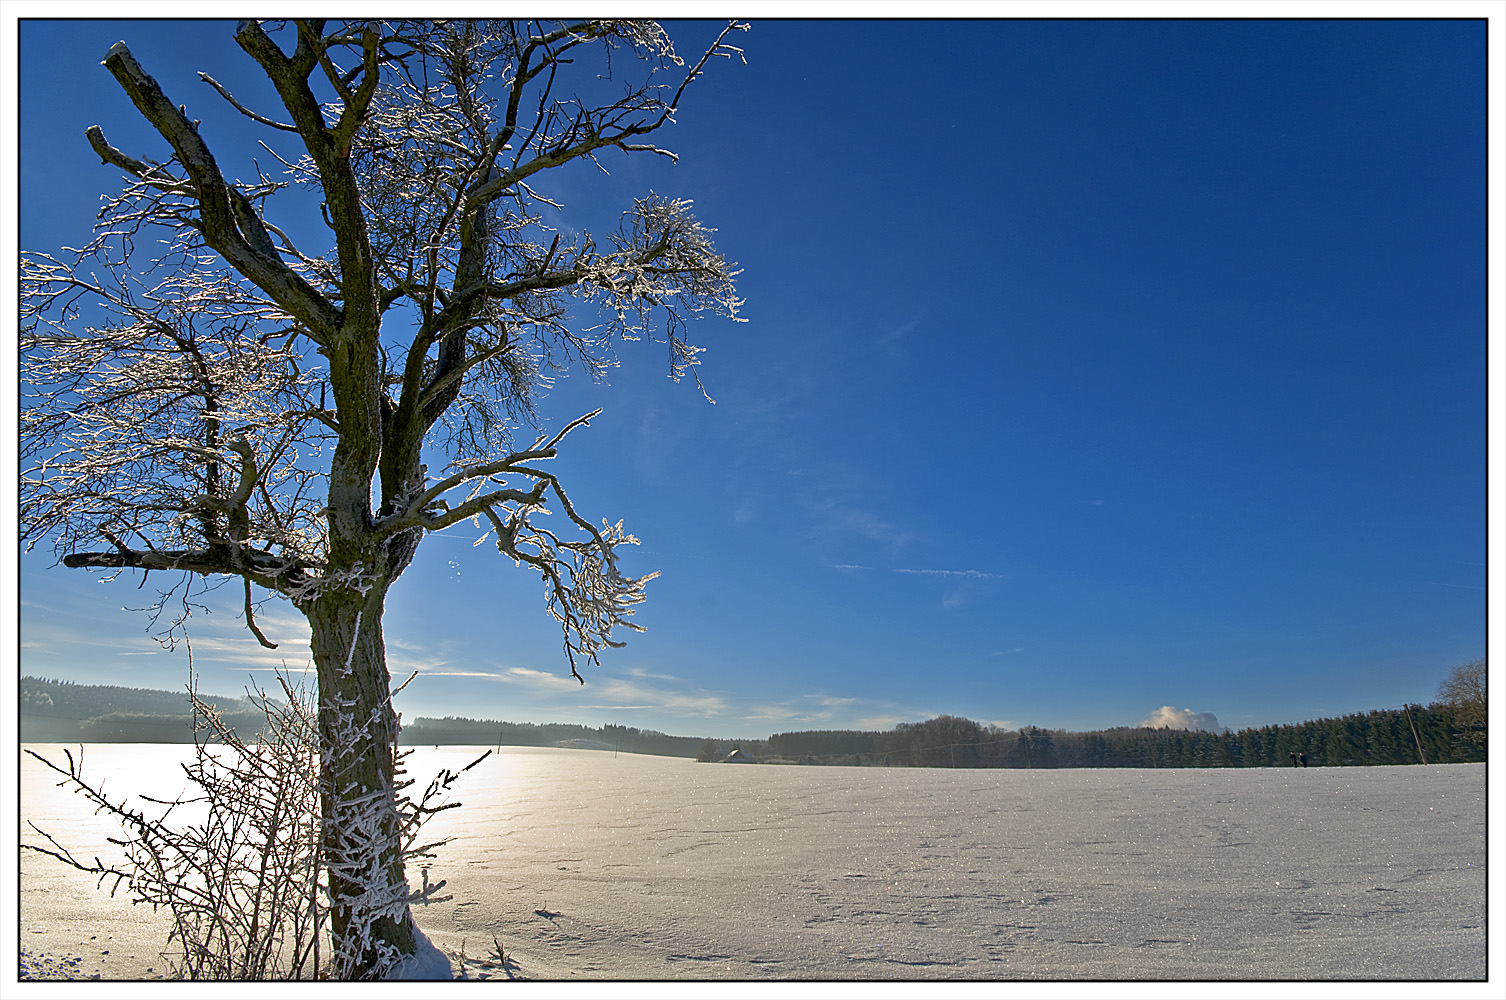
(739, 756)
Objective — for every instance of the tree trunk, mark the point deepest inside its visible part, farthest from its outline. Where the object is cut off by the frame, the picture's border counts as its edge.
(370, 922)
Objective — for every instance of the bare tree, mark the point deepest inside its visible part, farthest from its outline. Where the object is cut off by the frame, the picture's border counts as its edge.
(1464, 688)
(237, 401)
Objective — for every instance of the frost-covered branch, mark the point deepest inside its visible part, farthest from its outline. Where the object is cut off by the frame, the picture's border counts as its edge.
(169, 418)
(227, 220)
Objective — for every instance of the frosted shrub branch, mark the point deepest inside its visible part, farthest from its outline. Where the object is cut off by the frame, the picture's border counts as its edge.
(241, 883)
(244, 882)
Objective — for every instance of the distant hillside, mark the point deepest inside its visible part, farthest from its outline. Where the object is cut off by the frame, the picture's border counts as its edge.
(454, 731)
(60, 711)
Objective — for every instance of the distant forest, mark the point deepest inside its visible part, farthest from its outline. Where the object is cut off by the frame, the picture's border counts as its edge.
(60, 711)
(1412, 734)
(63, 712)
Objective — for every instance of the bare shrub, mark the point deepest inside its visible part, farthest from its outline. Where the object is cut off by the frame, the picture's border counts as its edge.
(244, 877)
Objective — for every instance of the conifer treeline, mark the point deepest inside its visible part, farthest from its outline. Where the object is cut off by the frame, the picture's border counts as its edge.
(1413, 734)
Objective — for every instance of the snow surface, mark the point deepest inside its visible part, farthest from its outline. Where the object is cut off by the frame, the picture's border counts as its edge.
(427, 962)
(588, 865)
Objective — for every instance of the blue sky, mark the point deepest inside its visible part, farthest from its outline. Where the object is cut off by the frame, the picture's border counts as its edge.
(1090, 367)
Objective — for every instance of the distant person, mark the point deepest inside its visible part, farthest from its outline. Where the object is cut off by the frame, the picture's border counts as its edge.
(1303, 758)
(1293, 755)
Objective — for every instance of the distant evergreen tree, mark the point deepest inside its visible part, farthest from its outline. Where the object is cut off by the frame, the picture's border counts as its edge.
(823, 745)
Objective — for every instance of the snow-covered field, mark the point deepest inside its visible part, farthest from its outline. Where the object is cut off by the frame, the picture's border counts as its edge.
(588, 865)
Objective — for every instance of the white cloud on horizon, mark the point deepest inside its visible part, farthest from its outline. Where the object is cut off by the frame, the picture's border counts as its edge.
(1168, 717)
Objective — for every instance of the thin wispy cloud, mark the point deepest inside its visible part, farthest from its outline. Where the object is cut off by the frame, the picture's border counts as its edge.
(897, 334)
(539, 680)
(880, 722)
(841, 518)
(642, 672)
(836, 502)
(946, 574)
(429, 666)
(658, 438)
(49, 637)
(824, 710)
(236, 646)
(746, 511)
(614, 694)
(489, 675)
(617, 693)
(955, 574)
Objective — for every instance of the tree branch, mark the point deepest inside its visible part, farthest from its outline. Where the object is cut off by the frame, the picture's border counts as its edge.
(331, 152)
(270, 571)
(251, 619)
(237, 105)
(227, 222)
